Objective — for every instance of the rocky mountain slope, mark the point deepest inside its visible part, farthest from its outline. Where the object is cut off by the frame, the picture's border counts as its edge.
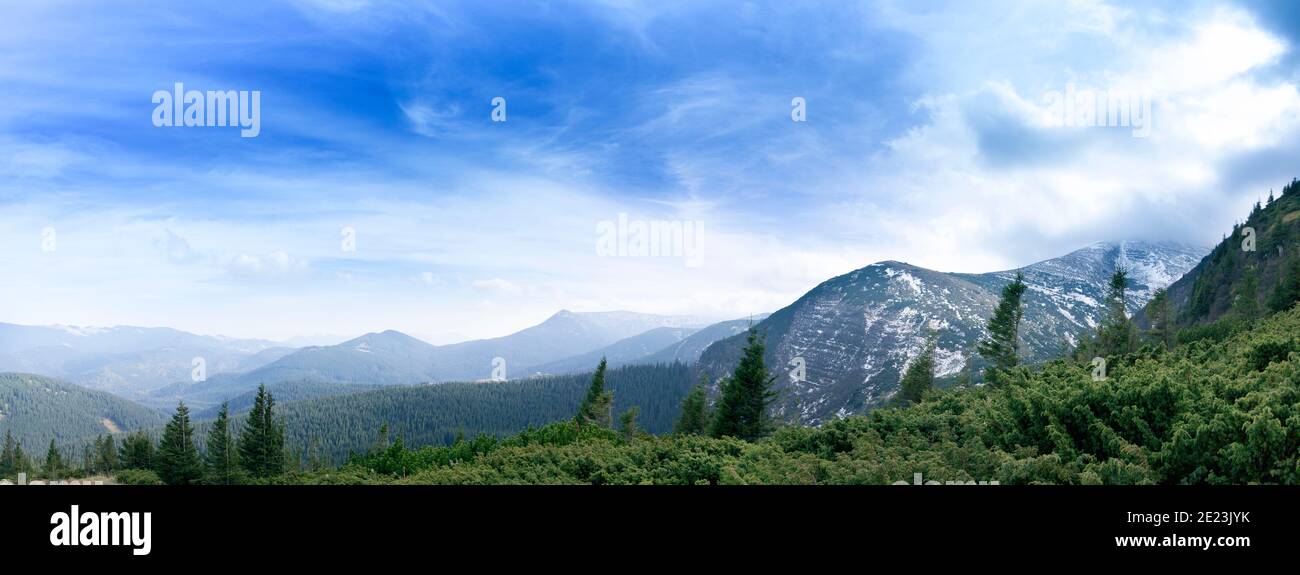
(853, 335)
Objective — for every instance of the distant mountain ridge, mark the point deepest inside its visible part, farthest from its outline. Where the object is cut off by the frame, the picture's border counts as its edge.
(857, 332)
(664, 345)
(125, 360)
(392, 358)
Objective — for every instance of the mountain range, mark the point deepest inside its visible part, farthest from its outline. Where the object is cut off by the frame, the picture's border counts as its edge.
(564, 343)
(853, 335)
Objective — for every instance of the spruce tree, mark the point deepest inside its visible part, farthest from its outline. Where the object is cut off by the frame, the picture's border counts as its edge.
(261, 445)
(136, 452)
(7, 459)
(220, 460)
(1002, 349)
(1115, 335)
(695, 415)
(597, 406)
(53, 462)
(106, 458)
(742, 407)
(918, 380)
(178, 460)
(22, 463)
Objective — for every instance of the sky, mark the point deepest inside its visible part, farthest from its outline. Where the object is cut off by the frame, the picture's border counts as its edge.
(380, 192)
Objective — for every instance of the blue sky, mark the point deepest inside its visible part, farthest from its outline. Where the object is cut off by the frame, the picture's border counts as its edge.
(925, 141)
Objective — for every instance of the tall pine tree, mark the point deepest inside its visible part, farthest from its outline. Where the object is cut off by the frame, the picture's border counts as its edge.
(261, 445)
(53, 462)
(1115, 335)
(1002, 348)
(221, 462)
(597, 406)
(178, 460)
(22, 463)
(742, 407)
(106, 456)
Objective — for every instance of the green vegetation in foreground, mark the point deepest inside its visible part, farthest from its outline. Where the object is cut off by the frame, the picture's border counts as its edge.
(1213, 412)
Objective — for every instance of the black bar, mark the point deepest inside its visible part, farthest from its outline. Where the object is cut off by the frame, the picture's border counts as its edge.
(307, 525)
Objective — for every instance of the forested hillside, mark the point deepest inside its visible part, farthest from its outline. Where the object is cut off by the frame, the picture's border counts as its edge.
(37, 409)
(286, 392)
(1254, 270)
(331, 427)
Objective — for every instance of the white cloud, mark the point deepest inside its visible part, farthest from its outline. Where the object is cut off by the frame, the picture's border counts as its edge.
(983, 182)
